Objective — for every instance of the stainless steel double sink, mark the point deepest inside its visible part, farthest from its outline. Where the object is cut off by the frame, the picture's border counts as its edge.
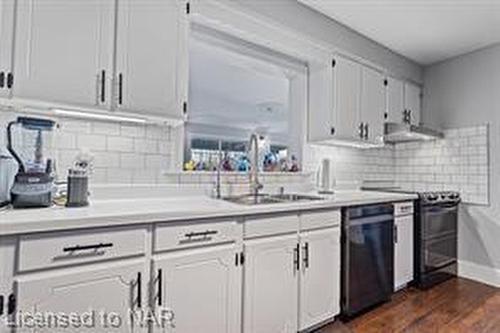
(262, 199)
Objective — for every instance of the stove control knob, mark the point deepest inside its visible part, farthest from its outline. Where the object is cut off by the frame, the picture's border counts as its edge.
(432, 197)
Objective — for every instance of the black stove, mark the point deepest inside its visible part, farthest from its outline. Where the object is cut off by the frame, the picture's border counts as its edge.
(435, 235)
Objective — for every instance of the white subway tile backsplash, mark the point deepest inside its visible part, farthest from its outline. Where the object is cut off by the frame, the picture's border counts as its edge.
(120, 144)
(106, 160)
(149, 146)
(132, 161)
(75, 126)
(458, 162)
(132, 131)
(113, 146)
(92, 142)
(65, 140)
(106, 128)
(156, 162)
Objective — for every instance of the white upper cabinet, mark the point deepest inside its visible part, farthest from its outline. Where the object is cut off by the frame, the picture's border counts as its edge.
(413, 101)
(372, 105)
(347, 104)
(346, 96)
(271, 290)
(403, 102)
(202, 288)
(64, 51)
(151, 68)
(320, 276)
(321, 109)
(7, 8)
(395, 100)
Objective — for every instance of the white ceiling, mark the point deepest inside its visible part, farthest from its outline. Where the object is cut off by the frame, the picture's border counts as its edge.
(426, 31)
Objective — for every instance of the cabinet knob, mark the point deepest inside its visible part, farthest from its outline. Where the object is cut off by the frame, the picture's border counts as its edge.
(367, 127)
(2, 80)
(332, 130)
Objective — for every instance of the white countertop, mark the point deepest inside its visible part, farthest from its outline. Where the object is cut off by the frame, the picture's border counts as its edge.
(103, 213)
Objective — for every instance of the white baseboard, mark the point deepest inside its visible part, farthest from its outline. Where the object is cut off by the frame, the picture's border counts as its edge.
(480, 273)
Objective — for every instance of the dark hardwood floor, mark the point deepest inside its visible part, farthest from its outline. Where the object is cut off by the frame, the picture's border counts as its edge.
(458, 305)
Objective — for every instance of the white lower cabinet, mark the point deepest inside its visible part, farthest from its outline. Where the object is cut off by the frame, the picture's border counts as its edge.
(403, 251)
(270, 285)
(94, 293)
(320, 276)
(201, 288)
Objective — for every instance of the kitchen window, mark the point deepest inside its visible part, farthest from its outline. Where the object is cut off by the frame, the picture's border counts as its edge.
(236, 89)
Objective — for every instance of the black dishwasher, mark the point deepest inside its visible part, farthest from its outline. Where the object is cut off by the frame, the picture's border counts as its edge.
(367, 257)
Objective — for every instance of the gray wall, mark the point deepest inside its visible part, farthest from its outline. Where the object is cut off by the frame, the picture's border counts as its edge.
(297, 16)
(465, 91)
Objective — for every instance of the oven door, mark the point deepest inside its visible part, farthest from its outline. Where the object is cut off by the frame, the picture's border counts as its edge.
(439, 221)
(440, 252)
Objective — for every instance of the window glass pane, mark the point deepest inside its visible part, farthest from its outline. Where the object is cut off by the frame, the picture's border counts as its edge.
(231, 96)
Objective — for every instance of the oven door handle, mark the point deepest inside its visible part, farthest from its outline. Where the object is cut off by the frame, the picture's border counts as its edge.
(441, 209)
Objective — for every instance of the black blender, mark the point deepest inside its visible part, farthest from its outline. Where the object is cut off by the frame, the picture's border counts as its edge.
(34, 181)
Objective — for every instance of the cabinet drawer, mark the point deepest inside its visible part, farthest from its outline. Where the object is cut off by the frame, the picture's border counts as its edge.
(403, 208)
(323, 219)
(171, 237)
(67, 248)
(271, 225)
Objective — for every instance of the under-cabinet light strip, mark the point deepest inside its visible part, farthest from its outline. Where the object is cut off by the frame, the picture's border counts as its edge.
(98, 116)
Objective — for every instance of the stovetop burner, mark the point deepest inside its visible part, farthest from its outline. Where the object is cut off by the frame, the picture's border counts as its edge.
(439, 197)
(426, 197)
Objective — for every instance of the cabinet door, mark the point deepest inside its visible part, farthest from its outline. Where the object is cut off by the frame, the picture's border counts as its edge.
(7, 268)
(320, 276)
(202, 288)
(64, 51)
(91, 293)
(373, 104)
(413, 102)
(395, 100)
(151, 57)
(270, 285)
(346, 85)
(6, 41)
(403, 251)
(321, 109)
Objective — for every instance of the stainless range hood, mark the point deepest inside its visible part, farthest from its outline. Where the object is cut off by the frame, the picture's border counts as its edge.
(395, 133)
